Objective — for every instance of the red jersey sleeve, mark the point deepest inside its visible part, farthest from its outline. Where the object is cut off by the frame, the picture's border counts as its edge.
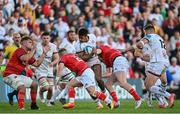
(20, 52)
(31, 61)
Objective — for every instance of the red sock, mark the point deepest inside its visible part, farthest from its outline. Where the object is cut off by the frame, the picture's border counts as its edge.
(21, 95)
(134, 94)
(114, 96)
(33, 96)
(100, 95)
(71, 93)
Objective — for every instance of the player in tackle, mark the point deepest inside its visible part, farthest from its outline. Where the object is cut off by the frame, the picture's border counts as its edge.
(85, 77)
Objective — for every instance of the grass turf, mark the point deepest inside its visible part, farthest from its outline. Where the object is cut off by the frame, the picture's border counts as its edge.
(127, 106)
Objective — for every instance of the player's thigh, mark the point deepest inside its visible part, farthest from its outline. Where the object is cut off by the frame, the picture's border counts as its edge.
(150, 80)
(121, 76)
(91, 90)
(110, 82)
(74, 83)
(43, 83)
(50, 81)
(97, 70)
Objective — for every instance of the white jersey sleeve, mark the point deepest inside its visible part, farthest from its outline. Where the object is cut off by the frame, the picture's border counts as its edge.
(49, 55)
(81, 46)
(157, 47)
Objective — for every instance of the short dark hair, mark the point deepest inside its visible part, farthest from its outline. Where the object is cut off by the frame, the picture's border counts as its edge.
(62, 51)
(45, 34)
(24, 38)
(149, 27)
(70, 31)
(82, 32)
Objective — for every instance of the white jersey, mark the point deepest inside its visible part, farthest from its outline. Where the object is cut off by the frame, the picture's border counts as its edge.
(81, 47)
(70, 47)
(157, 47)
(92, 42)
(49, 55)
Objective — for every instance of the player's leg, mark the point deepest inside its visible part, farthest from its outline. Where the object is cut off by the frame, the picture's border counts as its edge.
(58, 90)
(67, 77)
(98, 76)
(120, 69)
(11, 95)
(34, 87)
(44, 86)
(88, 81)
(50, 81)
(159, 90)
(71, 92)
(109, 86)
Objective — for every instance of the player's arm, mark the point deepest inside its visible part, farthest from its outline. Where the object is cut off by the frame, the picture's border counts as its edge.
(41, 58)
(85, 56)
(59, 70)
(55, 59)
(27, 56)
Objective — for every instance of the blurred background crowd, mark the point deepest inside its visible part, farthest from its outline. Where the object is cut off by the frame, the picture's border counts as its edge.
(118, 23)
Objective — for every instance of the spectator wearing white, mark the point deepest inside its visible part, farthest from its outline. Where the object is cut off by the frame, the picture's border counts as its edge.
(11, 24)
(62, 28)
(8, 8)
(71, 5)
(21, 28)
(115, 7)
(157, 16)
(175, 71)
(174, 39)
(111, 42)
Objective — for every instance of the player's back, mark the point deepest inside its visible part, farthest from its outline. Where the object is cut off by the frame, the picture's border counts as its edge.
(109, 54)
(74, 63)
(158, 48)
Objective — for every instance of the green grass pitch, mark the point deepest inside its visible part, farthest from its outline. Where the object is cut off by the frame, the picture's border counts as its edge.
(127, 106)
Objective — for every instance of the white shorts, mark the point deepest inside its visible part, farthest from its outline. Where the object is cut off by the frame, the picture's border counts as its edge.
(39, 73)
(15, 81)
(93, 61)
(120, 64)
(87, 78)
(156, 68)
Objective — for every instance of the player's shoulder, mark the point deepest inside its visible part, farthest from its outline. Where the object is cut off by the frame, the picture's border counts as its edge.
(52, 45)
(92, 36)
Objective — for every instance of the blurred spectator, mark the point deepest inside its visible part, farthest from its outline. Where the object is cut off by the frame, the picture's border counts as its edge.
(174, 40)
(71, 6)
(175, 71)
(62, 27)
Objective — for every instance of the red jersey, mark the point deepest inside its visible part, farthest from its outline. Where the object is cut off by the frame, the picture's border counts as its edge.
(74, 63)
(108, 55)
(15, 65)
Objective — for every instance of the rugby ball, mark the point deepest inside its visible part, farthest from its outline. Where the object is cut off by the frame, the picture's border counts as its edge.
(88, 49)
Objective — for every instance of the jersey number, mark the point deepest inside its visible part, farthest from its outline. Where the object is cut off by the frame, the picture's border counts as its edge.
(162, 44)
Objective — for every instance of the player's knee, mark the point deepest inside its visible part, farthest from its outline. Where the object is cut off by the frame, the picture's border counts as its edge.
(22, 88)
(34, 85)
(123, 84)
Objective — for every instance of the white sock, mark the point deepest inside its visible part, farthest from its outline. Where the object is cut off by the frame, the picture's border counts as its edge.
(64, 94)
(56, 93)
(160, 91)
(159, 99)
